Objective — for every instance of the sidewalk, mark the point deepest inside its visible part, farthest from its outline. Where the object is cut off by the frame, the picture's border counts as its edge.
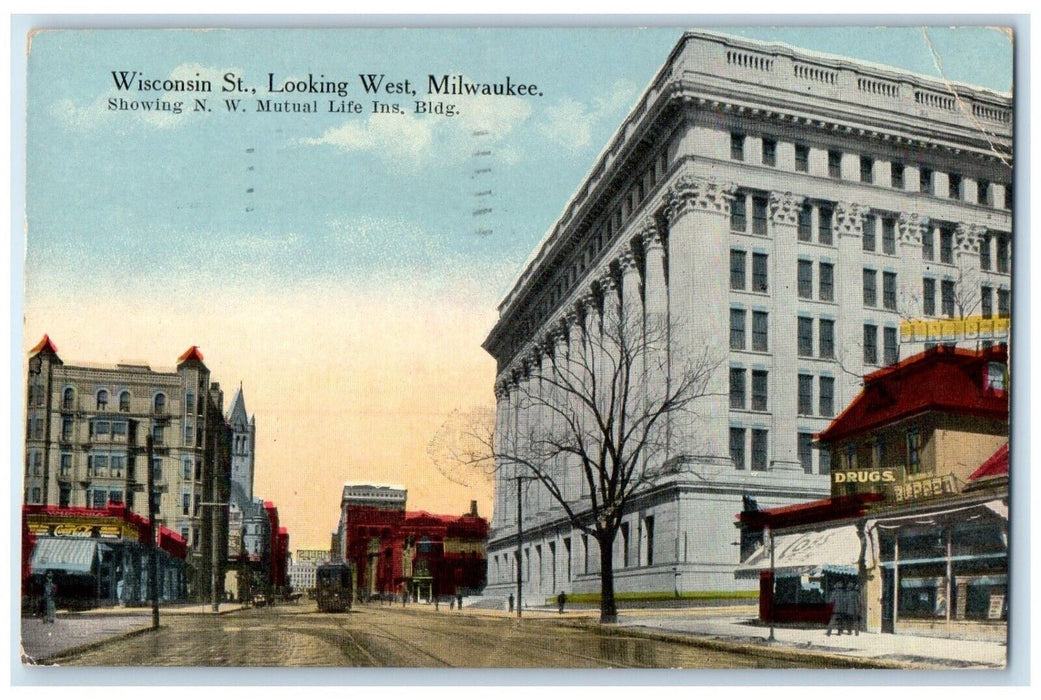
(728, 625)
(76, 630)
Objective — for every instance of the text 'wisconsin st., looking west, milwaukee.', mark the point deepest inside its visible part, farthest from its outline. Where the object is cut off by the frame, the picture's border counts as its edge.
(374, 93)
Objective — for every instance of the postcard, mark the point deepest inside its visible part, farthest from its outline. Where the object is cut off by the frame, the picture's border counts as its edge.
(672, 347)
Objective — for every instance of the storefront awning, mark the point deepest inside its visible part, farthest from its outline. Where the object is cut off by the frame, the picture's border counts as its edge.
(64, 554)
(832, 549)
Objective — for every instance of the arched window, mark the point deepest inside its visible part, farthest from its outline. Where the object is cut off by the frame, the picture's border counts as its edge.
(124, 401)
(159, 403)
(68, 398)
(102, 399)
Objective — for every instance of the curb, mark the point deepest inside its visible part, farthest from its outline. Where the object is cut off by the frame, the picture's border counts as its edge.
(82, 648)
(805, 657)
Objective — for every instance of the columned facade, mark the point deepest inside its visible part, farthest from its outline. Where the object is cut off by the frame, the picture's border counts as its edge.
(771, 225)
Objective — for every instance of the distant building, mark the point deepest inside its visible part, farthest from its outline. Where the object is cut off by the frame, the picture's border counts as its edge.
(86, 445)
(392, 551)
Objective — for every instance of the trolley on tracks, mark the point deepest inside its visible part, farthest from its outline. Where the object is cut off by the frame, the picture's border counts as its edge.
(333, 587)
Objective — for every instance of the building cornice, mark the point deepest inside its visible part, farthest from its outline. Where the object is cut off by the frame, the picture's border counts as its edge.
(714, 73)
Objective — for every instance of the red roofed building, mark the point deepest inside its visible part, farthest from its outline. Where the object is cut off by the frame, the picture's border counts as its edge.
(392, 551)
(918, 517)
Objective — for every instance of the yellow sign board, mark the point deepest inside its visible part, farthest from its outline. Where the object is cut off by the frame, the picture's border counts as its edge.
(954, 330)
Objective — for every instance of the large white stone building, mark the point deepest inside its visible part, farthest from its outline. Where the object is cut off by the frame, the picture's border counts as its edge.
(788, 210)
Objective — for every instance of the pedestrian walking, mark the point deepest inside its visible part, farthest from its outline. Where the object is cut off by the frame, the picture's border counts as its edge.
(437, 602)
(510, 601)
(50, 590)
(836, 598)
(459, 600)
(561, 599)
(853, 609)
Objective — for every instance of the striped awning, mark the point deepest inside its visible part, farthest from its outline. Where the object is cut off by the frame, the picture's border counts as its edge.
(64, 554)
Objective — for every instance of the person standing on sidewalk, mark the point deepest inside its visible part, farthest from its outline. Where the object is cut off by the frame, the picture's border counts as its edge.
(837, 599)
(561, 599)
(50, 590)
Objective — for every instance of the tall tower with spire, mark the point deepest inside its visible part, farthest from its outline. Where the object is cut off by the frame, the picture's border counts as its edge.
(243, 430)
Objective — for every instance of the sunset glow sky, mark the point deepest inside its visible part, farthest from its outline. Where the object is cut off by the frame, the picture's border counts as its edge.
(332, 264)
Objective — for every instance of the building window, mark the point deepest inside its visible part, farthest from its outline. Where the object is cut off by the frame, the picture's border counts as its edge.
(737, 269)
(947, 245)
(65, 465)
(802, 158)
(896, 171)
(890, 348)
(186, 503)
(827, 282)
(824, 462)
(947, 298)
(1003, 252)
(985, 251)
(929, 296)
(986, 301)
(954, 186)
(737, 146)
(867, 169)
(834, 164)
(760, 276)
(983, 192)
(737, 329)
(827, 396)
(805, 279)
(928, 249)
(186, 468)
(1004, 304)
(805, 442)
(870, 344)
(759, 390)
(926, 178)
(197, 509)
(66, 429)
(759, 215)
(867, 237)
(117, 463)
(159, 404)
(189, 402)
(102, 400)
(805, 394)
(760, 331)
(805, 337)
(157, 468)
(68, 399)
(189, 432)
(157, 434)
(737, 388)
(737, 447)
(870, 291)
(889, 236)
(889, 290)
(759, 453)
(124, 401)
(806, 222)
(824, 226)
(738, 213)
(914, 449)
(769, 152)
(1008, 196)
(648, 530)
(64, 495)
(827, 338)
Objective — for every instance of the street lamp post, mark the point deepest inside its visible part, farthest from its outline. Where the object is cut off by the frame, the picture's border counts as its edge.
(153, 579)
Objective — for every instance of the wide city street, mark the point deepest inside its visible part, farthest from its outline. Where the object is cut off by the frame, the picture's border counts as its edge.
(371, 635)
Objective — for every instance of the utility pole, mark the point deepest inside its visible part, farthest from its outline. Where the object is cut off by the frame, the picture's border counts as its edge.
(153, 579)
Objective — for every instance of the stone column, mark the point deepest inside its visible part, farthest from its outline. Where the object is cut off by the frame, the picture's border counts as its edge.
(610, 327)
(698, 211)
(849, 325)
(656, 326)
(582, 348)
(909, 304)
(967, 258)
(502, 399)
(561, 424)
(783, 331)
(632, 325)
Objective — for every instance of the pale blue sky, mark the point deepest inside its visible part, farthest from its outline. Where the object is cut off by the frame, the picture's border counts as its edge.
(133, 199)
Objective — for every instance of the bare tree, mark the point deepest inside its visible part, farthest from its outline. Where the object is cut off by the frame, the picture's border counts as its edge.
(601, 407)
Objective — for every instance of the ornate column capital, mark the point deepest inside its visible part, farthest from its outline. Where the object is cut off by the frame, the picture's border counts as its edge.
(967, 237)
(785, 207)
(911, 227)
(849, 219)
(689, 193)
(650, 234)
(627, 262)
(608, 282)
